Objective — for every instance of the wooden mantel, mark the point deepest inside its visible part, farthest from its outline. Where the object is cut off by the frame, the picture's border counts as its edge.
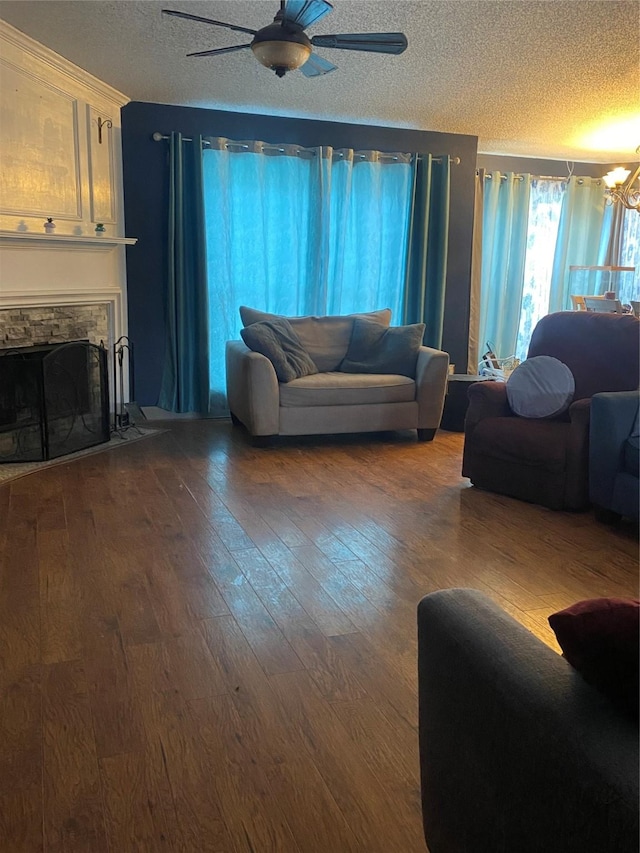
(51, 241)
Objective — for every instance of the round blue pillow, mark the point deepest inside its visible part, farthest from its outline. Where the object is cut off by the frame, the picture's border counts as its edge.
(540, 387)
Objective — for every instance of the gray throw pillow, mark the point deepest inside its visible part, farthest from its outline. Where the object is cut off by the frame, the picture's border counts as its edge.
(377, 349)
(540, 387)
(276, 340)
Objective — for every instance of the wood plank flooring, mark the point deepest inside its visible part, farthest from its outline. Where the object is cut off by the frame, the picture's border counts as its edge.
(210, 647)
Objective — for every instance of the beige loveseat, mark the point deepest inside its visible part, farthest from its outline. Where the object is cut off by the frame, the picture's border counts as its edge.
(330, 401)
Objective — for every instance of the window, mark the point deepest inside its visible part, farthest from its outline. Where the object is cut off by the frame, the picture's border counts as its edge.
(543, 233)
(630, 257)
(545, 203)
(301, 231)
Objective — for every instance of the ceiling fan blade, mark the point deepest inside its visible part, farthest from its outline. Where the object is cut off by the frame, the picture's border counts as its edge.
(191, 17)
(303, 13)
(372, 42)
(316, 66)
(220, 50)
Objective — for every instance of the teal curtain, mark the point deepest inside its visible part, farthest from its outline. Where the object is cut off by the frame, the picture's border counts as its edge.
(369, 209)
(185, 379)
(265, 243)
(580, 236)
(298, 231)
(610, 251)
(473, 355)
(504, 245)
(425, 283)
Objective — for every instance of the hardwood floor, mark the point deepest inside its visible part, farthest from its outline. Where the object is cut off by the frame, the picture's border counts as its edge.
(209, 647)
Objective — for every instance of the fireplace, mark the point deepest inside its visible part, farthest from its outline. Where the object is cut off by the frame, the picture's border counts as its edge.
(54, 400)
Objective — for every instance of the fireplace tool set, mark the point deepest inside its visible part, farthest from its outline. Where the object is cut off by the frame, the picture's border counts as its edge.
(125, 414)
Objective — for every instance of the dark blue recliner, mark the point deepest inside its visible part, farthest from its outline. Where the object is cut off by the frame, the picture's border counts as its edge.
(614, 483)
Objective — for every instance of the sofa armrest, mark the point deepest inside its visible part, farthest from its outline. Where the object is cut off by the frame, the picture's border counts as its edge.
(487, 399)
(580, 413)
(253, 392)
(432, 368)
(613, 416)
(576, 484)
(517, 752)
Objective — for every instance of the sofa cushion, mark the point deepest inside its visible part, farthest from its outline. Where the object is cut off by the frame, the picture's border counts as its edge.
(347, 389)
(376, 349)
(599, 638)
(326, 339)
(541, 387)
(539, 443)
(276, 340)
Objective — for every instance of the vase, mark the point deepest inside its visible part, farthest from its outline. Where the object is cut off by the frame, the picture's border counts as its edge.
(49, 227)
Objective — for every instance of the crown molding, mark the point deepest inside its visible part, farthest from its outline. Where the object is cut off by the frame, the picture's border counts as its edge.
(57, 62)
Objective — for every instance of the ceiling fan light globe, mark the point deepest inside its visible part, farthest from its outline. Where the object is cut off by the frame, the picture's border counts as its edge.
(286, 55)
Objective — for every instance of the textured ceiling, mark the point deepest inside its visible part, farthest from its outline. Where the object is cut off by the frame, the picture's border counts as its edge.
(543, 79)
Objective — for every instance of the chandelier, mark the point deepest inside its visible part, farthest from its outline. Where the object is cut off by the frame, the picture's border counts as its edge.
(623, 186)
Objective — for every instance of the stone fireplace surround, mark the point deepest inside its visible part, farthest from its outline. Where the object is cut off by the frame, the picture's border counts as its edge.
(31, 326)
(30, 318)
(55, 289)
(61, 288)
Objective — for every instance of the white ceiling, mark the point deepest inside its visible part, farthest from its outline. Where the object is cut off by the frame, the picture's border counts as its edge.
(543, 79)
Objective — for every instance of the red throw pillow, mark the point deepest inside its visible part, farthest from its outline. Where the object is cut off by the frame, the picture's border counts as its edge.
(600, 638)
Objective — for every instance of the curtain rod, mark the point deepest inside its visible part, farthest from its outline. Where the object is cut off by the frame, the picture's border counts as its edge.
(520, 177)
(159, 137)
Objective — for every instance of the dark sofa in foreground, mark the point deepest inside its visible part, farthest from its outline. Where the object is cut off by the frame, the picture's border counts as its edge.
(517, 753)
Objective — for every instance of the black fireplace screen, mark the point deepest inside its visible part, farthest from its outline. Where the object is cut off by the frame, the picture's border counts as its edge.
(54, 399)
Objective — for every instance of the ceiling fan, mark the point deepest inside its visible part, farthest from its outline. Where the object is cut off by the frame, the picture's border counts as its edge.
(283, 45)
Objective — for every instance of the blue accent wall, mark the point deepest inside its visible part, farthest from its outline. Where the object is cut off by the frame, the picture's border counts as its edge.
(145, 198)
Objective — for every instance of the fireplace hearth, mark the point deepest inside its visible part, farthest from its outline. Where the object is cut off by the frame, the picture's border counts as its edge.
(54, 400)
